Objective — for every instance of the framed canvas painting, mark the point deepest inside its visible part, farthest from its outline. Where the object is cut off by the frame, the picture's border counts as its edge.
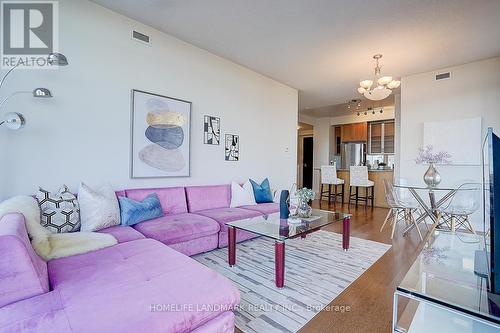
(160, 136)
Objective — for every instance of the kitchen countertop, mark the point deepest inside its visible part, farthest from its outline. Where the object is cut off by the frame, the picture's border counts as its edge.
(371, 170)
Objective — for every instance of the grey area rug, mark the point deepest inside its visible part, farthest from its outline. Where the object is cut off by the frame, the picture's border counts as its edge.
(316, 271)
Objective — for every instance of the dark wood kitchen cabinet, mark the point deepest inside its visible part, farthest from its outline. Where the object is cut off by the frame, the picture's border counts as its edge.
(355, 132)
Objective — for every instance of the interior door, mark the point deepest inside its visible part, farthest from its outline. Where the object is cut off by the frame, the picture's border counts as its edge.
(307, 173)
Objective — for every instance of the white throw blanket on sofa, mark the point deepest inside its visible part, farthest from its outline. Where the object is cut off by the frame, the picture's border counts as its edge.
(48, 245)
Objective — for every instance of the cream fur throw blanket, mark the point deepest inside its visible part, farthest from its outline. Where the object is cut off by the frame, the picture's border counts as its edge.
(48, 245)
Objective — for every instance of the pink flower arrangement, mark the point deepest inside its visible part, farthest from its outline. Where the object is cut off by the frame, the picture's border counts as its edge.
(427, 156)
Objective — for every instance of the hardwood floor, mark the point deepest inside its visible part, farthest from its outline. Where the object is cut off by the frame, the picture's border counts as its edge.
(370, 296)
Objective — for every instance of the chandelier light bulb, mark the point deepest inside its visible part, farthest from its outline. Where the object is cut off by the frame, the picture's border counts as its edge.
(361, 90)
(393, 84)
(384, 80)
(366, 84)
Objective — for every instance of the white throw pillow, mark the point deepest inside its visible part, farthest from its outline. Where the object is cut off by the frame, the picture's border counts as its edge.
(99, 209)
(242, 196)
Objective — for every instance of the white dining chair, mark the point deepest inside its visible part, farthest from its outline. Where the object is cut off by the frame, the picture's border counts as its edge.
(401, 208)
(359, 178)
(465, 202)
(329, 178)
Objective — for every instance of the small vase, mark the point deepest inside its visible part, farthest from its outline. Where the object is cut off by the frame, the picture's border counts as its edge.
(432, 177)
(303, 209)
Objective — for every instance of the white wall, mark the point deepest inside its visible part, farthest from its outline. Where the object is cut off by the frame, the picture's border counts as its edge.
(322, 135)
(472, 91)
(83, 133)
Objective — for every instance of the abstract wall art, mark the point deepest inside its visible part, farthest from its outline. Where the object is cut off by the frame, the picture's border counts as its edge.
(211, 130)
(232, 147)
(160, 144)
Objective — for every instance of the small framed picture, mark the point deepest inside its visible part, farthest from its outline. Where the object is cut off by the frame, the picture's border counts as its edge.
(211, 130)
(232, 147)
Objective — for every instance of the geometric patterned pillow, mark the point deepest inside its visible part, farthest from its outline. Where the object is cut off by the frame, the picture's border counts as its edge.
(59, 212)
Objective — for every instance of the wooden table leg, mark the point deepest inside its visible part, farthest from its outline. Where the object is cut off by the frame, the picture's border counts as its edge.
(279, 262)
(231, 235)
(346, 233)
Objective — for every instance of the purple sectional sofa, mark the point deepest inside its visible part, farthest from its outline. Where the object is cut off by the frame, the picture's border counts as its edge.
(145, 283)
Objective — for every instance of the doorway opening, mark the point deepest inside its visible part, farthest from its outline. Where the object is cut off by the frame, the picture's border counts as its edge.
(305, 155)
(307, 175)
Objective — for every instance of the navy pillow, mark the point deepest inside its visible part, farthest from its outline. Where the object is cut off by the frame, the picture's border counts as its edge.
(133, 212)
(262, 192)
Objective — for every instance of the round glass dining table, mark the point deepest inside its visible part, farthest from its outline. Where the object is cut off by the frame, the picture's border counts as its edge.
(429, 210)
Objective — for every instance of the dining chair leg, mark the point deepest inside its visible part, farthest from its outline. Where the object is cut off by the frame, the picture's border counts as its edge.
(367, 190)
(357, 196)
(329, 193)
(386, 219)
(396, 217)
(467, 220)
(321, 192)
(350, 195)
(342, 194)
(373, 196)
(416, 225)
(335, 194)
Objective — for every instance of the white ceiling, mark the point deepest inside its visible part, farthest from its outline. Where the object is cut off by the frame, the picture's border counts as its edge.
(324, 47)
(343, 109)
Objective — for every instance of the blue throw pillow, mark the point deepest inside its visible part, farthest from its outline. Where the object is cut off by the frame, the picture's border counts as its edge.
(133, 212)
(262, 192)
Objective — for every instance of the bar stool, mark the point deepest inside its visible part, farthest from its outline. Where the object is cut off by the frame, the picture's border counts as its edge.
(359, 178)
(329, 177)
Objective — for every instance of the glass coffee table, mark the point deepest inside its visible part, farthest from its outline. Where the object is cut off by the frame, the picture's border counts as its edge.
(271, 226)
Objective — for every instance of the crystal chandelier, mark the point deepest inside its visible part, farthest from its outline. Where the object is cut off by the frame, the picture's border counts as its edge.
(384, 86)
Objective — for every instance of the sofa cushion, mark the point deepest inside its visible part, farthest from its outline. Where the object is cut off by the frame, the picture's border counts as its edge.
(99, 207)
(139, 286)
(264, 208)
(208, 197)
(196, 246)
(172, 199)
(23, 273)
(262, 191)
(123, 233)
(224, 215)
(171, 229)
(242, 195)
(59, 211)
(133, 211)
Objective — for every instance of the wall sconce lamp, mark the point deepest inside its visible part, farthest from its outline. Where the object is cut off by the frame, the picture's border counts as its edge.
(15, 120)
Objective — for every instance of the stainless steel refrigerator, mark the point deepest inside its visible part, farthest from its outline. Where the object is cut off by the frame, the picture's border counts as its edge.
(353, 153)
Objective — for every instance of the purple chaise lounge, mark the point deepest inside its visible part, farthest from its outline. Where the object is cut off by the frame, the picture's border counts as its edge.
(137, 286)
